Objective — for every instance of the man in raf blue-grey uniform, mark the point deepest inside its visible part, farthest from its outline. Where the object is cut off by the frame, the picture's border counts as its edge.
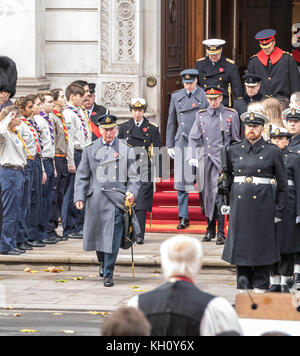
(292, 117)
(214, 127)
(216, 68)
(182, 113)
(105, 178)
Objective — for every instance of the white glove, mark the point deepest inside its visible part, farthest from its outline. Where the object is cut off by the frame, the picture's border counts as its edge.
(171, 152)
(298, 220)
(277, 220)
(193, 163)
(225, 210)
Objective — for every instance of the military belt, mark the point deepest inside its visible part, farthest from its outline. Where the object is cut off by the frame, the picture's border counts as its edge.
(254, 180)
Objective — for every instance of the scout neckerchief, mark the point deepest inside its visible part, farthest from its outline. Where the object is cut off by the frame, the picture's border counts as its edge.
(47, 118)
(88, 120)
(33, 133)
(60, 115)
(76, 112)
(23, 142)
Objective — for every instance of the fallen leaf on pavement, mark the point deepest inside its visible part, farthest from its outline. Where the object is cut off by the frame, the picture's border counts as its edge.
(134, 287)
(58, 314)
(99, 313)
(61, 281)
(54, 270)
(68, 331)
(77, 279)
(139, 290)
(28, 331)
(17, 314)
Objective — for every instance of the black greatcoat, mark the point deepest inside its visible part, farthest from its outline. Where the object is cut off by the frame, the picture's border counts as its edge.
(251, 237)
(221, 74)
(294, 145)
(288, 232)
(144, 136)
(281, 78)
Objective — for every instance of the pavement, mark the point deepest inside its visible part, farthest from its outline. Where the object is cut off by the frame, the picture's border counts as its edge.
(26, 284)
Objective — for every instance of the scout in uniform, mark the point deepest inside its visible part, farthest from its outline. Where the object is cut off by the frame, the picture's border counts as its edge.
(105, 178)
(182, 114)
(140, 132)
(216, 69)
(287, 230)
(13, 159)
(61, 161)
(253, 166)
(79, 137)
(25, 105)
(278, 69)
(46, 125)
(214, 127)
(292, 117)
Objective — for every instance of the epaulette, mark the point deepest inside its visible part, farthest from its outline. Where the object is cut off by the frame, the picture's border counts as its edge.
(231, 109)
(125, 142)
(201, 59)
(202, 110)
(230, 61)
(288, 53)
(153, 124)
(90, 144)
(240, 98)
(236, 143)
(254, 55)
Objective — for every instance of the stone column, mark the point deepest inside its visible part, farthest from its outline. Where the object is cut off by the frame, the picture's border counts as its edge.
(22, 25)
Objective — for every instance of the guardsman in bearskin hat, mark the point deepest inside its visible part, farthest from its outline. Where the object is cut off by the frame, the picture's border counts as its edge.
(277, 68)
(216, 68)
(287, 230)
(140, 132)
(254, 166)
(8, 81)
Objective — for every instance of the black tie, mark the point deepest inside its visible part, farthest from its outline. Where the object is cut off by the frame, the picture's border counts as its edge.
(190, 95)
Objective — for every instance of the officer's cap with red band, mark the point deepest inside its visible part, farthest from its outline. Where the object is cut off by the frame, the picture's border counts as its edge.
(266, 38)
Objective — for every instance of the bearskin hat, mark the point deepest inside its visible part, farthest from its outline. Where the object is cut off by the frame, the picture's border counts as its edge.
(8, 75)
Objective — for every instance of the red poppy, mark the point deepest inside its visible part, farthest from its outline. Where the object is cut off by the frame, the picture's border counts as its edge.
(93, 113)
(229, 120)
(221, 70)
(194, 105)
(116, 154)
(145, 129)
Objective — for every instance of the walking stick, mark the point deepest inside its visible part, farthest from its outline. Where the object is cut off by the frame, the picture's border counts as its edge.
(129, 206)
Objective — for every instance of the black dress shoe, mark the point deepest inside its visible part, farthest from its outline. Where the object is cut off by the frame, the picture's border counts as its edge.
(101, 270)
(284, 288)
(275, 288)
(50, 241)
(183, 224)
(208, 236)
(24, 247)
(19, 250)
(140, 241)
(74, 236)
(12, 253)
(108, 282)
(36, 244)
(220, 239)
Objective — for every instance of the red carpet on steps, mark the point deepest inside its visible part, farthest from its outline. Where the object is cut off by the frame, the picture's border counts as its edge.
(165, 211)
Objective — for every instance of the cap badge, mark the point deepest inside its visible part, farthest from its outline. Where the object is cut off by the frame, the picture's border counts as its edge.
(187, 76)
(252, 116)
(277, 132)
(138, 104)
(107, 120)
(293, 112)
